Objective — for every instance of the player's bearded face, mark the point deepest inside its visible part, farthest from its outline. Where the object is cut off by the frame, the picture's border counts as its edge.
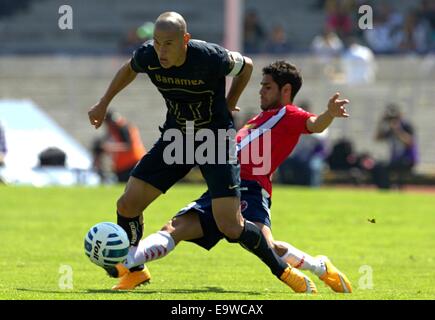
(270, 95)
(170, 47)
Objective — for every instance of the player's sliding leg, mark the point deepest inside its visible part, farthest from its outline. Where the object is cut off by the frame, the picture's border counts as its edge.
(250, 237)
(298, 259)
(137, 196)
(157, 245)
(334, 278)
(320, 266)
(154, 246)
(187, 226)
(254, 241)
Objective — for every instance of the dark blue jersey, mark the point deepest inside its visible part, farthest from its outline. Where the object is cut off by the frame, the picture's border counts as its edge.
(194, 91)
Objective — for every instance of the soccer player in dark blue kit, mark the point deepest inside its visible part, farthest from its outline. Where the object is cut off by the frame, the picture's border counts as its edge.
(190, 75)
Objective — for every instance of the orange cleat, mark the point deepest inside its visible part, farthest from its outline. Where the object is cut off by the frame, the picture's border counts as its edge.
(129, 280)
(299, 282)
(334, 278)
(117, 271)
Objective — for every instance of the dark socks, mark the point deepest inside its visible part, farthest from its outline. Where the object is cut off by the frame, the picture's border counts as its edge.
(133, 227)
(254, 241)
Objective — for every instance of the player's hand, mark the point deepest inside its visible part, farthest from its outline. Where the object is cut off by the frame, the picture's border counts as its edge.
(97, 114)
(336, 107)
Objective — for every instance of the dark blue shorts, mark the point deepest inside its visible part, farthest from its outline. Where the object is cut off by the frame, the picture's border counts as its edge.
(223, 180)
(255, 205)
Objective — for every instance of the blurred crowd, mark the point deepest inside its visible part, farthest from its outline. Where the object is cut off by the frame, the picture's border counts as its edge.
(9, 7)
(315, 156)
(317, 159)
(394, 30)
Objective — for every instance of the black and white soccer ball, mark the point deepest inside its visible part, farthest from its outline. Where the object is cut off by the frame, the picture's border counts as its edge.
(106, 244)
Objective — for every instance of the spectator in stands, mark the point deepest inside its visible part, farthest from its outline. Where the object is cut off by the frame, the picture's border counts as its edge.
(253, 33)
(327, 47)
(338, 17)
(381, 38)
(135, 37)
(122, 143)
(427, 12)
(358, 63)
(9, 7)
(319, 5)
(342, 156)
(415, 35)
(131, 40)
(344, 159)
(278, 43)
(305, 164)
(3, 148)
(403, 149)
(393, 18)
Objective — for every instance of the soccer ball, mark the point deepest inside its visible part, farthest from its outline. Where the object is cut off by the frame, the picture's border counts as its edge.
(106, 244)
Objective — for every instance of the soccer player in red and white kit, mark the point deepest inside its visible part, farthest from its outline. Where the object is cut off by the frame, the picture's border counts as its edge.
(270, 136)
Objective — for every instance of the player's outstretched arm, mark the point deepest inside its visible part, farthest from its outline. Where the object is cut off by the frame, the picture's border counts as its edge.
(123, 77)
(239, 84)
(336, 109)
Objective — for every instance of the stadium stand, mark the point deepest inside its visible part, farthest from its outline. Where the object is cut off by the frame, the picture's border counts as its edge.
(98, 28)
(66, 85)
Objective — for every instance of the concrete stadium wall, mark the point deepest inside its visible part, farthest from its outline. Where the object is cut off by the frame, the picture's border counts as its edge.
(67, 86)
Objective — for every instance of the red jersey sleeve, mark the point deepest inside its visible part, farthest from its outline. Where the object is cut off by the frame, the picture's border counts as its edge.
(296, 119)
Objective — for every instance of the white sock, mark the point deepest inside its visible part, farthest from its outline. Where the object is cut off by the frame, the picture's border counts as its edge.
(301, 260)
(155, 246)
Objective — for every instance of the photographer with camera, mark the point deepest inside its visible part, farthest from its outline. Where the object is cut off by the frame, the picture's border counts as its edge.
(399, 134)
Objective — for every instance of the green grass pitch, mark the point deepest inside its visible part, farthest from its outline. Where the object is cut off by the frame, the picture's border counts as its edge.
(393, 258)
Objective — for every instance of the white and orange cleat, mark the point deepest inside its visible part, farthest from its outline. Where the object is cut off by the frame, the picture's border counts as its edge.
(299, 282)
(334, 278)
